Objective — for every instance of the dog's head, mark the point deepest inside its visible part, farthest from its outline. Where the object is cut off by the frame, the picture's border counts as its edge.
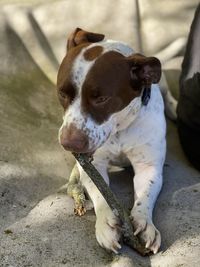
(96, 82)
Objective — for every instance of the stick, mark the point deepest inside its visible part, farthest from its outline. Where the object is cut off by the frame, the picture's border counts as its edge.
(127, 228)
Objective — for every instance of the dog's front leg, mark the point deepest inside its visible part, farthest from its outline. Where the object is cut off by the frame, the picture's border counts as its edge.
(107, 224)
(147, 185)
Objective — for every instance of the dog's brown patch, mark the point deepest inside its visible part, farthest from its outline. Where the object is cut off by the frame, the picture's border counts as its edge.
(92, 53)
(107, 87)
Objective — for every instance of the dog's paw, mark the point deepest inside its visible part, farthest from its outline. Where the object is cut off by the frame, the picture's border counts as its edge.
(144, 227)
(108, 230)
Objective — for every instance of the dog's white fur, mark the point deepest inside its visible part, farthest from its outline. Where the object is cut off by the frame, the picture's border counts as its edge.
(135, 134)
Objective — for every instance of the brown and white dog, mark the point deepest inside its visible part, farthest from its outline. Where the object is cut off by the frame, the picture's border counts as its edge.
(113, 108)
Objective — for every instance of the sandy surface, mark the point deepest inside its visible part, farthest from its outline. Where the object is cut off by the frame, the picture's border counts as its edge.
(37, 224)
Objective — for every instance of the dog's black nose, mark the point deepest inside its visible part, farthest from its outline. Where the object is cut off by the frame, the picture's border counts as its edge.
(73, 139)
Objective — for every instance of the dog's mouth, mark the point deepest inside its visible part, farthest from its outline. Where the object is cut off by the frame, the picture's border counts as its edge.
(88, 155)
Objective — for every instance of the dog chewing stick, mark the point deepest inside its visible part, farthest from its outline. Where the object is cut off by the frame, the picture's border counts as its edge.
(118, 210)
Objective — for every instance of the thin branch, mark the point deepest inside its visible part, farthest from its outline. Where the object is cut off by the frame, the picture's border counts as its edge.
(116, 207)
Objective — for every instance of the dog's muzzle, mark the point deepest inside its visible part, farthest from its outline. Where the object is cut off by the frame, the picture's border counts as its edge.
(74, 139)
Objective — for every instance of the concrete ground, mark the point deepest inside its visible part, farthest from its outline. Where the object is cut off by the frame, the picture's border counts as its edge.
(37, 224)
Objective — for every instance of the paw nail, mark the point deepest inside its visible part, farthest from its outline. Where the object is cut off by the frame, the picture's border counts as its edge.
(119, 246)
(115, 251)
(148, 244)
(137, 231)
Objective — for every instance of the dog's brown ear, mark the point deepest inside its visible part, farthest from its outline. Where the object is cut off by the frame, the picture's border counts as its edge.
(79, 36)
(144, 70)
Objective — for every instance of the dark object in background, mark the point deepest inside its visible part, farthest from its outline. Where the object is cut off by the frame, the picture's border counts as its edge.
(189, 102)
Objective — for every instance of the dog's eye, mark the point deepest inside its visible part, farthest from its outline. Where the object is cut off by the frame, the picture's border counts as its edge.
(64, 99)
(100, 100)
(97, 98)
